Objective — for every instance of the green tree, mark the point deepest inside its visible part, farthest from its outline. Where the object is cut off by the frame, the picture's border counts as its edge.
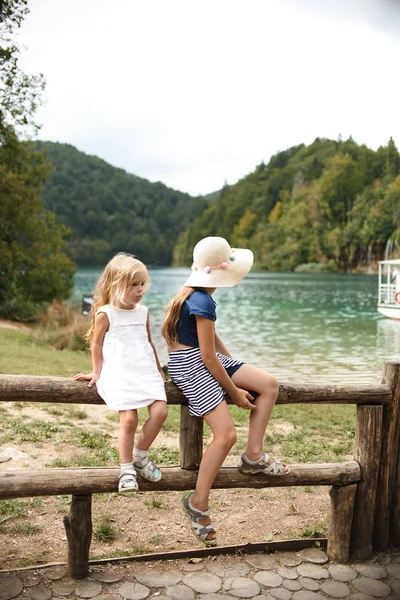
(19, 92)
(33, 265)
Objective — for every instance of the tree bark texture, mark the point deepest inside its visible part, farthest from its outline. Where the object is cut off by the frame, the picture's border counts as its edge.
(342, 506)
(190, 440)
(386, 514)
(78, 525)
(367, 453)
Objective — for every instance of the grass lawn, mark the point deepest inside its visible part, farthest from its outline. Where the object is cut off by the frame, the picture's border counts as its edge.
(20, 356)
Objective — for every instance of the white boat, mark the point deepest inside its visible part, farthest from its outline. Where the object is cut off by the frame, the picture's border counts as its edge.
(389, 288)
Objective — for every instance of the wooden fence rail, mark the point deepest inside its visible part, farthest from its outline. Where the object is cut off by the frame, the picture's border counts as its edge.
(24, 483)
(27, 388)
(365, 496)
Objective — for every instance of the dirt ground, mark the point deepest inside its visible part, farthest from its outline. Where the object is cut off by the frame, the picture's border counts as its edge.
(145, 522)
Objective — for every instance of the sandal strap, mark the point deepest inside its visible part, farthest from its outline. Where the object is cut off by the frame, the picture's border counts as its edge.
(129, 474)
(202, 531)
(276, 466)
(195, 513)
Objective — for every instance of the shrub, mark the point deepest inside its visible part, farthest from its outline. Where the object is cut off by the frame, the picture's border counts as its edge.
(61, 327)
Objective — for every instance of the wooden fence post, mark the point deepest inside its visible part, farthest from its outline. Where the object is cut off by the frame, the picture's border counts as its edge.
(387, 523)
(342, 507)
(78, 525)
(190, 440)
(367, 453)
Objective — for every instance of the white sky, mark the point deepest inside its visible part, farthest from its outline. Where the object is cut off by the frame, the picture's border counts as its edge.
(197, 92)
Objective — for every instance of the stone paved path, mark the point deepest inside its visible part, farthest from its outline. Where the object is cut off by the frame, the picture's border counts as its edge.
(303, 575)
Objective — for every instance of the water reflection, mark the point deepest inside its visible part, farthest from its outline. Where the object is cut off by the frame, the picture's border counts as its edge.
(388, 338)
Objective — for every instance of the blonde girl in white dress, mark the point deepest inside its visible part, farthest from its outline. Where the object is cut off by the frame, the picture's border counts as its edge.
(125, 365)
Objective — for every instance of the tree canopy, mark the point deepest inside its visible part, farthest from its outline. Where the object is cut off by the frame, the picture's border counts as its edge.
(335, 203)
(109, 210)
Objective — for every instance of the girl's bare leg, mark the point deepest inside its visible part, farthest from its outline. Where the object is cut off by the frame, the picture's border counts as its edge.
(267, 387)
(158, 412)
(128, 420)
(224, 437)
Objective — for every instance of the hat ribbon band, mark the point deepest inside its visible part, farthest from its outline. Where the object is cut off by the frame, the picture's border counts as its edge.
(208, 269)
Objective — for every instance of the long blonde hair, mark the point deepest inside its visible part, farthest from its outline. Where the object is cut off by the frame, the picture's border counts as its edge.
(113, 284)
(173, 314)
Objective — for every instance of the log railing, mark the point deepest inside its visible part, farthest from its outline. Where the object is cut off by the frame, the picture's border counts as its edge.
(365, 496)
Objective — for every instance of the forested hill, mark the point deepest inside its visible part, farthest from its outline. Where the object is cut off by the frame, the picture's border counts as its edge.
(109, 210)
(333, 203)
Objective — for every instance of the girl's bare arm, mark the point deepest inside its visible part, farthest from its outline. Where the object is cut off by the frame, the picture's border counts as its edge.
(220, 346)
(101, 325)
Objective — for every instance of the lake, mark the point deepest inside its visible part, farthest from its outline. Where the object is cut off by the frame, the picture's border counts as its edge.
(305, 328)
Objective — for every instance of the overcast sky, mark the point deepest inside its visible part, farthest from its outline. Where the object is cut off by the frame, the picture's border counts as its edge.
(194, 93)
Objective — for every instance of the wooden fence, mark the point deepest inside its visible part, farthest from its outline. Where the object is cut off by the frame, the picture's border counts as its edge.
(365, 495)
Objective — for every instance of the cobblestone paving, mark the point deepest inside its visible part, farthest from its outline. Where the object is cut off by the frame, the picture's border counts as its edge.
(304, 575)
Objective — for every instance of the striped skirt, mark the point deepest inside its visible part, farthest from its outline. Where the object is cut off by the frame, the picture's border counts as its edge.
(202, 390)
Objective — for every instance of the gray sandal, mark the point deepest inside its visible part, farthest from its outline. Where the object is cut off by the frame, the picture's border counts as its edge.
(194, 515)
(276, 467)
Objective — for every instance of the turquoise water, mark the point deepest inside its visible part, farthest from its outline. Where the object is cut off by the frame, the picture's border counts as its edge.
(303, 328)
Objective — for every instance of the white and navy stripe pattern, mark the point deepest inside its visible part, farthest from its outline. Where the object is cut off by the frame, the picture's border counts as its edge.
(202, 390)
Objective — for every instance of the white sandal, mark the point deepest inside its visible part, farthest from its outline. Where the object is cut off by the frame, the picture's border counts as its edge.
(194, 515)
(147, 469)
(127, 481)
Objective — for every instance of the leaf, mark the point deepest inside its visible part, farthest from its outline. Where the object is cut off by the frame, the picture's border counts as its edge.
(268, 537)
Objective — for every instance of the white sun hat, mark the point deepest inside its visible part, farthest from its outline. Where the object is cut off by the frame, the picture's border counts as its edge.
(216, 264)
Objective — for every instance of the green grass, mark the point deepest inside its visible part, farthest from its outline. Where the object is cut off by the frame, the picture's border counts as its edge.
(173, 420)
(105, 530)
(164, 455)
(120, 552)
(113, 416)
(315, 531)
(35, 559)
(24, 357)
(105, 457)
(13, 508)
(23, 430)
(24, 529)
(79, 414)
(54, 410)
(156, 539)
(155, 503)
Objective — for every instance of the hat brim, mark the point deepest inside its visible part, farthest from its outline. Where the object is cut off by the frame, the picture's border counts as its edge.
(235, 271)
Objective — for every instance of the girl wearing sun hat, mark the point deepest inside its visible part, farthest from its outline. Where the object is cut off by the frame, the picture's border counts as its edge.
(201, 366)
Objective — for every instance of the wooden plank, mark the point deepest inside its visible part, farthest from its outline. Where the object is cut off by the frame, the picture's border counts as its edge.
(24, 483)
(367, 453)
(27, 388)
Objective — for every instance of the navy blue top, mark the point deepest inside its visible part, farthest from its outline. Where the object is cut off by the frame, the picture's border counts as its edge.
(198, 303)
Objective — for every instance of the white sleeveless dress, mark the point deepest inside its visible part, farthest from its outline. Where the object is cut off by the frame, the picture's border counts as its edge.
(129, 376)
